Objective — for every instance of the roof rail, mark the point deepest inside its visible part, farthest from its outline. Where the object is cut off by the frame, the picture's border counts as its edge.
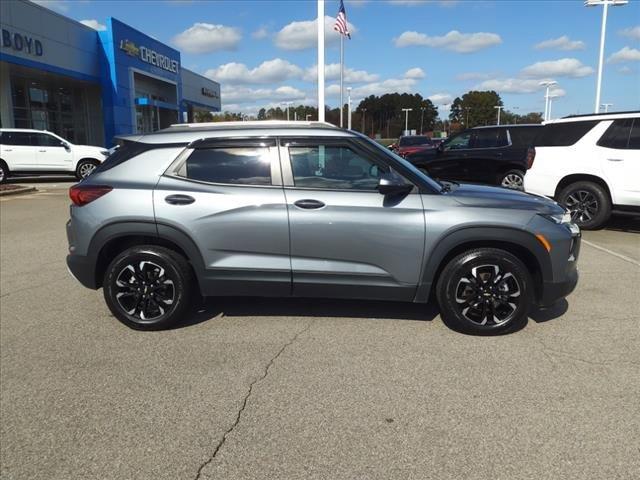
(601, 114)
(254, 123)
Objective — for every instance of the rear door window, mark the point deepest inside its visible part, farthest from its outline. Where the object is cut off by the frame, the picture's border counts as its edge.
(16, 138)
(617, 135)
(489, 138)
(524, 136)
(229, 165)
(564, 134)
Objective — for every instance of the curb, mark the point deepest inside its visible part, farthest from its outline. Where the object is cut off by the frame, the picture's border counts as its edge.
(18, 191)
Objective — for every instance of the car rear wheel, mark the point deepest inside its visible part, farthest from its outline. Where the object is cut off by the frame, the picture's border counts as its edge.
(513, 179)
(148, 287)
(4, 171)
(588, 203)
(485, 291)
(85, 168)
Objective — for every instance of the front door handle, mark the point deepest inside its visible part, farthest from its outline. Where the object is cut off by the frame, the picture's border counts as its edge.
(42, 150)
(308, 204)
(179, 199)
(615, 159)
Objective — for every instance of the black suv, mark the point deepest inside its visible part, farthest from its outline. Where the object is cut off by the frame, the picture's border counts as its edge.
(496, 155)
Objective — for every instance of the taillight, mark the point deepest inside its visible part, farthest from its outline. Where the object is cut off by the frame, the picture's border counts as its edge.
(531, 156)
(82, 194)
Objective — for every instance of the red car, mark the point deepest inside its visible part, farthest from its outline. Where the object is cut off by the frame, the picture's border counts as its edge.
(411, 144)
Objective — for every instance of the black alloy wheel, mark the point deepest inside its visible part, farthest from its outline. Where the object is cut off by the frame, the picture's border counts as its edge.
(485, 291)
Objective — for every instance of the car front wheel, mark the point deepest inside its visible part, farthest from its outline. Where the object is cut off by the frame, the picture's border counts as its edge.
(148, 287)
(85, 168)
(4, 172)
(485, 291)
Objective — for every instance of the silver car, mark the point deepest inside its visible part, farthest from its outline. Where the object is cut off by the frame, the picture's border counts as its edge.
(305, 209)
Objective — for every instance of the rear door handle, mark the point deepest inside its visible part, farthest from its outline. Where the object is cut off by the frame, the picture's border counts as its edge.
(309, 204)
(179, 199)
(42, 150)
(615, 159)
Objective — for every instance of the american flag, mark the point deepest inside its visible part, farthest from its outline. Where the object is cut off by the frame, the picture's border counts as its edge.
(341, 25)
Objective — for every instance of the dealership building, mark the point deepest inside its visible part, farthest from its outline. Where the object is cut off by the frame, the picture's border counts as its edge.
(87, 86)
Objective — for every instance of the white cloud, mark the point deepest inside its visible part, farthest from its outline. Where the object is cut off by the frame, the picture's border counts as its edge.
(304, 34)
(391, 85)
(454, 41)
(625, 54)
(244, 95)
(561, 43)
(510, 85)
(564, 67)
(207, 38)
(332, 72)
(415, 73)
(440, 98)
(631, 32)
(261, 33)
(270, 71)
(626, 70)
(95, 24)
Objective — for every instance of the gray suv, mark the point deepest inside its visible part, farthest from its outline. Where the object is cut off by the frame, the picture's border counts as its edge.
(305, 209)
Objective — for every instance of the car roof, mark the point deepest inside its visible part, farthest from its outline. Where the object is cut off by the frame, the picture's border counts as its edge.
(595, 117)
(30, 130)
(514, 125)
(188, 132)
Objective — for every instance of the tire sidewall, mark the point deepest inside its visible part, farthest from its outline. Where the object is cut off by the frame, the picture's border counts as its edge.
(465, 262)
(520, 173)
(164, 260)
(5, 171)
(79, 166)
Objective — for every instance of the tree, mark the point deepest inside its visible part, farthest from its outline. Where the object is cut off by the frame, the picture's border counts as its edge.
(475, 108)
(384, 115)
(262, 114)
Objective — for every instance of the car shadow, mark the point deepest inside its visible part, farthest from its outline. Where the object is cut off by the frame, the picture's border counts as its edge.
(623, 223)
(43, 179)
(552, 312)
(213, 307)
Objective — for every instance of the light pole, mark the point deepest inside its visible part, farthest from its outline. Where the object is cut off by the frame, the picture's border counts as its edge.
(406, 119)
(364, 112)
(606, 106)
(551, 97)
(605, 4)
(348, 108)
(499, 107)
(307, 117)
(548, 84)
(422, 109)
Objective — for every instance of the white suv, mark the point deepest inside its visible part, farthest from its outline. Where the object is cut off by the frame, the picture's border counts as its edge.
(38, 151)
(590, 164)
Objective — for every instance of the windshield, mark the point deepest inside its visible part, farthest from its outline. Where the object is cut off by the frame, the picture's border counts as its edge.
(417, 140)
(409, 166)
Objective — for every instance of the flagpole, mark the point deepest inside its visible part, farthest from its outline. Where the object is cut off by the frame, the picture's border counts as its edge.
(341, 80)
(320, 60)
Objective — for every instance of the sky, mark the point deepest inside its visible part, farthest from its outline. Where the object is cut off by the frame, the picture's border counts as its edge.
(263, 52)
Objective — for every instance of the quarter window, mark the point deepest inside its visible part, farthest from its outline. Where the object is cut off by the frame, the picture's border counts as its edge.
(617, 135)
(230, 165)
(634, 138)
(334, 168)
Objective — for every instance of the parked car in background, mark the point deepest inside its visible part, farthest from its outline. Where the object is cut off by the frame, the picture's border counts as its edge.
(25, 151)
(306, 209)
(496, 155)
(590, 164)
(409, 144)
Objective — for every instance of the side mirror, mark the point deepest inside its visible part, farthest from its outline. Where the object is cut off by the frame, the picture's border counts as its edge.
(441, 147)
(392, 146)
(65, 145)
(392, 184)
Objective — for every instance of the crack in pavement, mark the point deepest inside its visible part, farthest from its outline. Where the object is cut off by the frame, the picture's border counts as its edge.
(245, 401)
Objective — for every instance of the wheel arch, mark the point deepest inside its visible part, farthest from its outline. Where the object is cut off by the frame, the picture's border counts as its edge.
(113, 239)
(520, 243)
(581, 177)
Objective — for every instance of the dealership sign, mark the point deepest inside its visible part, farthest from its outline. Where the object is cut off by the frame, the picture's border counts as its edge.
(149, 56)
(21, 43)
(207, 92)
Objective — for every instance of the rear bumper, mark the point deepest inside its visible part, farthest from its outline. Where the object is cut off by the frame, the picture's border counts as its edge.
(83, 270)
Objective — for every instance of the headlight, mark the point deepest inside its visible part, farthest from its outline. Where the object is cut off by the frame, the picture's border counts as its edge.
(558, 218)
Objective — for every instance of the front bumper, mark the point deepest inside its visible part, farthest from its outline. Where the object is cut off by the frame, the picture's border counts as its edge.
(554, 291)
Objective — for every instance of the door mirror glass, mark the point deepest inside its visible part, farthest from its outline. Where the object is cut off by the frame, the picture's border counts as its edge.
(391, 184)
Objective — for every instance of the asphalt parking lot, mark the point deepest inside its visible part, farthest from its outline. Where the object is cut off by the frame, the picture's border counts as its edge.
(310, 389)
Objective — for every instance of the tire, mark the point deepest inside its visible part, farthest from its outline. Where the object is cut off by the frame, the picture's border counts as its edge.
(472, 302)
(4, 171)
(85, 168)
(513, 179)
(139, 307)
(588, 202)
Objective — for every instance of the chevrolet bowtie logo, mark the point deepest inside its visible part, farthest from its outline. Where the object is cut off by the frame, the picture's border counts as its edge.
(130, 48)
